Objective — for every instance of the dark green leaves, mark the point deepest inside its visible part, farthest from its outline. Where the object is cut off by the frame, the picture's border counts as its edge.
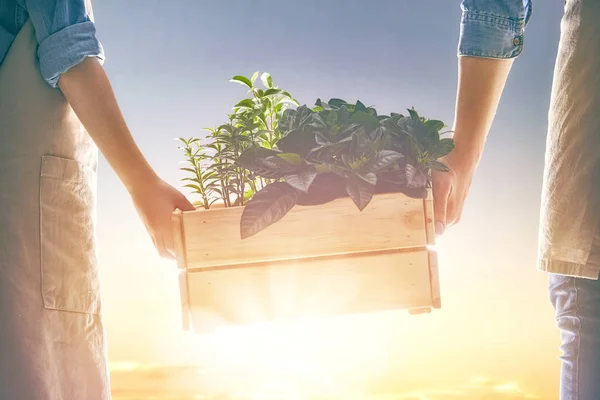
(302, 178)
(361, 189)
(267, 207)
(384, 159)
(415, 177)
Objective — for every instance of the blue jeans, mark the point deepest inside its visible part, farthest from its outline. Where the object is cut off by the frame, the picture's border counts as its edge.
(577, 305)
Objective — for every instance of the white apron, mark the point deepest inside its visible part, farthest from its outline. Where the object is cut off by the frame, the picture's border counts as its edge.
(52, 341)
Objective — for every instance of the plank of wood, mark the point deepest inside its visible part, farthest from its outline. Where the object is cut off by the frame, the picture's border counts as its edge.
(434, 274)
(179, 239)
(429, 218)
(392, 221)
(299, 289)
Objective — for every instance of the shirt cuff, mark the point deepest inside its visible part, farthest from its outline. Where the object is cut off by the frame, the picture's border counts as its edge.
(67, 48)
(490, 36)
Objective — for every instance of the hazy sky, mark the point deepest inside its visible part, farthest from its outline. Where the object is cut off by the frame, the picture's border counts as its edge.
(169, 62)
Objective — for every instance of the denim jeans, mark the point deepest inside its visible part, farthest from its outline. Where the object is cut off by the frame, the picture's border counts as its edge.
(577, 305)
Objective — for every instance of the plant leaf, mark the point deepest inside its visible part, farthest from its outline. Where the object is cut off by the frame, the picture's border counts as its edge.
(439, 166)
(415, 178)
(245, 103)
(266, 207)
(267, 80)
(272, 91)
(434, 125)
(368, 120)
(444, 147)
(384, 159)
(302, 179)
(241, 80)
(360, 191)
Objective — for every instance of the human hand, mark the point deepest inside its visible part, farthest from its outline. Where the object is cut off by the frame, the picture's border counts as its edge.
(450, 190)
(155, 202)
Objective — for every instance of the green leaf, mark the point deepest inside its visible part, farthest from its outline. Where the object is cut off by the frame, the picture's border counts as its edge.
(254, 76)
(384, 159)
(444, 147)
(272, 91)
(193, 186)
(369, 177)
(343, 115)
(361, 117)
(439, 166)
(360, 191)
(413, 113)
(301, 180)
(360, 107)
(336, 103)
(245, 103)
(415, 177)
(266, 207)
(434, 125)
(291, 158)
(267, 80)
(256, 160)
(241, 80)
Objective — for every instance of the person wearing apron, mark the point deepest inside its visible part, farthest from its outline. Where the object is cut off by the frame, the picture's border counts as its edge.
(492, 36)
(52, 340)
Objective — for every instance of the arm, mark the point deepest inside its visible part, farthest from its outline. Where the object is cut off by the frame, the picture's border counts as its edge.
(71, 59)
(491, 37)
(88, 90)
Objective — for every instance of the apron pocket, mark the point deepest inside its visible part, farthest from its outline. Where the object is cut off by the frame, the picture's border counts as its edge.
(69, 270)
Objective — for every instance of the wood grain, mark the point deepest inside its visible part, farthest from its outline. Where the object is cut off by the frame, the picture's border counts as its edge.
(179, 239)
(429, 218)
(211, 238)
(296, 289)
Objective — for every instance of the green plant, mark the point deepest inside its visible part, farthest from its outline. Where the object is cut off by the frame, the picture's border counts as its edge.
(253, 123)
(339, 149)
(271, 157)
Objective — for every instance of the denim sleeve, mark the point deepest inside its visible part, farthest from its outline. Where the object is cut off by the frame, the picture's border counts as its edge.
(66, 36)
(493, 28)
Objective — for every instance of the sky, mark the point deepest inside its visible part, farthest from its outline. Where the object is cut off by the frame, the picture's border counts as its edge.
(495, 335)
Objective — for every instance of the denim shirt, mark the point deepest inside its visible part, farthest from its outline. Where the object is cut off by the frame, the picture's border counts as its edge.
(65, 33)
(493, 28)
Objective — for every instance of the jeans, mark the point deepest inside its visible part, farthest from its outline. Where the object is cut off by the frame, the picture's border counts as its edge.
(577, 305)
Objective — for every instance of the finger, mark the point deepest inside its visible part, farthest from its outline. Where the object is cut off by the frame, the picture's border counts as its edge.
(440, 206)
(184, 204)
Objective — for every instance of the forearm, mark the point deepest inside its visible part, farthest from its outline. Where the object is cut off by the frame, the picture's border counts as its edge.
(89, 92)
(480, 85)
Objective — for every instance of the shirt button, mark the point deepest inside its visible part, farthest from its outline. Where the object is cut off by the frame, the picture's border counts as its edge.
(517, 41)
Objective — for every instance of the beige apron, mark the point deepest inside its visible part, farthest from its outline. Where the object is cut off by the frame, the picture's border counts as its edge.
(52, 341)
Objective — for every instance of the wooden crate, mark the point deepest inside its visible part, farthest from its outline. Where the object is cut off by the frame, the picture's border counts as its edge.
(317, 260)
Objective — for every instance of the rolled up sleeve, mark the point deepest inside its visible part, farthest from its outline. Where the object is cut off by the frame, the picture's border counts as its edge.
(66, 36)
(493, 28)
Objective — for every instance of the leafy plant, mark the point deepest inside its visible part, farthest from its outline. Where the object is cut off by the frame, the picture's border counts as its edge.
(253, 123)
(354, 151)
(275, 157)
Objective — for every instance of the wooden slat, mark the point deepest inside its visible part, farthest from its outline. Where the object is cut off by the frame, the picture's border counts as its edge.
(179, 239)
(436, 297)
(185, 300)
(300, 288)
(391, 221)
(429, 218)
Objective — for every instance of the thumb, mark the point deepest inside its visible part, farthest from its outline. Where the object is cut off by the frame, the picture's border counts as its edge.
(183, 203)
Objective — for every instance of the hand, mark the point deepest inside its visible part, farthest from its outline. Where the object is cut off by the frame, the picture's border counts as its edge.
(450, 190)
(155, 202)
